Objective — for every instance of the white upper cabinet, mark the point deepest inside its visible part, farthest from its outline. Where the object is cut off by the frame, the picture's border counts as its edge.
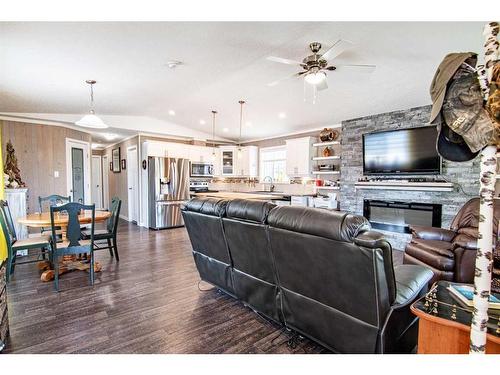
(235, 164)
(167, 149)
(299, 152)
(201, 154)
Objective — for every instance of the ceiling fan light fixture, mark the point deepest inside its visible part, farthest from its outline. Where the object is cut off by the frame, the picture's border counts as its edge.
(315, 78)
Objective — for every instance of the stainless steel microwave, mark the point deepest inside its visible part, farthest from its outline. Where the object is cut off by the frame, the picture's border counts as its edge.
(202, 170)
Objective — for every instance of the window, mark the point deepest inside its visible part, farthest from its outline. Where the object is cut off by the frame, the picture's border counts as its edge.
(273, 163)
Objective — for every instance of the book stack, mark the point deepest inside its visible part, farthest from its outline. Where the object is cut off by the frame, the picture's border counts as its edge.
(465, 295)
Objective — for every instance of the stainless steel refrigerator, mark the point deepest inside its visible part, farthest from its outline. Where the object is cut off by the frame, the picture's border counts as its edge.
(168, 189)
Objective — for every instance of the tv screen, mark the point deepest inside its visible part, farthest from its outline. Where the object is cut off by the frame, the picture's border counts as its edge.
(407, 151)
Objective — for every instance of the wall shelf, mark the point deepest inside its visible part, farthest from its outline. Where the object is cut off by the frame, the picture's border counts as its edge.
(325, 172)
(331, 143)
(318, 158)
(414, 186)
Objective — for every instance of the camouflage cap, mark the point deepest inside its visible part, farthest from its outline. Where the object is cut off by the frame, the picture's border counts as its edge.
(463, 112)
(443, 75)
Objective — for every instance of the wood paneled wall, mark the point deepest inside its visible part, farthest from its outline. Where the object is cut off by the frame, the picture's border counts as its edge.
(40, 150)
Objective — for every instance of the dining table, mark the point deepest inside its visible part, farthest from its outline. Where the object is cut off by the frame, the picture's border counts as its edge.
(68, 262)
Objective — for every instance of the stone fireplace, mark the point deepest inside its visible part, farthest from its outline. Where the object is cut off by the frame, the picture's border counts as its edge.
(464, 176)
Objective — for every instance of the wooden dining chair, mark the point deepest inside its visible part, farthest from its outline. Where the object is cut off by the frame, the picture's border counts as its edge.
(14, 244)
(73, 244)
(52, 200)
(106, 238)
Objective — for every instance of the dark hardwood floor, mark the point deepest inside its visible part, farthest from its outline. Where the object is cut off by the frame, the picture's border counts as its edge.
(149, 302)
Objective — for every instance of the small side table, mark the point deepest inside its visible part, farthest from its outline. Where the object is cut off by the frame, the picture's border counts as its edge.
(444, 325)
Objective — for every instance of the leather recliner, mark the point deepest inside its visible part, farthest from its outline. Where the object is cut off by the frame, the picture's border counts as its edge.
(450, 253)
(322, 273)
(210, 252)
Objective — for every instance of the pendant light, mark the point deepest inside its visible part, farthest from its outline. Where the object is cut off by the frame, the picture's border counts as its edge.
(241, 124)
(91, 120)
(214, 113)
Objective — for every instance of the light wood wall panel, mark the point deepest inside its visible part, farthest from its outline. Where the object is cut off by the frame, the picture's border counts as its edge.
(40, 150)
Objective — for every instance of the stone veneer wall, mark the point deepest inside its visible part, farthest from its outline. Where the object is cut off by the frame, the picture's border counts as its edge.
(462, 174)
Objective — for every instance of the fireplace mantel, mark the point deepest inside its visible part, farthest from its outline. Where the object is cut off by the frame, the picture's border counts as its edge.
(404, 185)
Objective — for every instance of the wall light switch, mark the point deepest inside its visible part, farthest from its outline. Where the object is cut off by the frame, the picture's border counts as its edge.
(56, 174)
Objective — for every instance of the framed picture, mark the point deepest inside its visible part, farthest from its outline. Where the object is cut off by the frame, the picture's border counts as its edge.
(124, 163)
(115, 157)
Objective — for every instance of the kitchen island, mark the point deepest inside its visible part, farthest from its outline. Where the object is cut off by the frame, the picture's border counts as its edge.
(237, 195)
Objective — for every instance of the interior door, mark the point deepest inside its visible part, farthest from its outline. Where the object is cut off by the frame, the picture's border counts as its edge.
(97, 181)
(78, 170)
(105, 181)
(133, 184)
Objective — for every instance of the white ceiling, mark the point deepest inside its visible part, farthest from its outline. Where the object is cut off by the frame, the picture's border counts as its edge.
(43, 67)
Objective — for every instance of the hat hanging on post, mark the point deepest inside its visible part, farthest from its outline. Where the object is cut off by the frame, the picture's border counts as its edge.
(463, 124)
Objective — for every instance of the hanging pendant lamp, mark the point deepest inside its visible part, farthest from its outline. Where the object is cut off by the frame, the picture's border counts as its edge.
(241, 124)
(214, 113)
(91, 120)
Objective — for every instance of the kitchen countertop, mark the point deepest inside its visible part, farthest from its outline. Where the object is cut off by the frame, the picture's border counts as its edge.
(234, 195)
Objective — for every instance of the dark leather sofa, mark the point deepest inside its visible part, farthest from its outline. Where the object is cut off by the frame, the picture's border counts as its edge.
(322, 273)
(450, 254)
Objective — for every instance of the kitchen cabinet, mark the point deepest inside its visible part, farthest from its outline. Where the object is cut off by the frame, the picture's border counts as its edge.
(201, 154)
(167, 150)
(299, 153)
(235, 164)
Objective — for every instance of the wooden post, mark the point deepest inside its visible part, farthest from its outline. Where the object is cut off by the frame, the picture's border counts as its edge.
(484, 256)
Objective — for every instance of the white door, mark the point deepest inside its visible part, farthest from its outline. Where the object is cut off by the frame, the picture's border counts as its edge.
(78, 170)
(97, 181)
(105, 181)
(133, 184)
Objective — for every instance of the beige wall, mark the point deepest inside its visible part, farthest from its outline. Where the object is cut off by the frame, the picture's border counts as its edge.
(40, 150)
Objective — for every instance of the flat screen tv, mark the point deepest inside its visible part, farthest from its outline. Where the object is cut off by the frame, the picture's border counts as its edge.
(405, 151)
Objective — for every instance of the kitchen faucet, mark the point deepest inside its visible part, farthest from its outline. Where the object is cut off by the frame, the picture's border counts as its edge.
(271, 187)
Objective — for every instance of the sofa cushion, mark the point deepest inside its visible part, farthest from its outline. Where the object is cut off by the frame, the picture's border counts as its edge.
(410, 279)
(335, 225)
(251, 210)
(207, 206)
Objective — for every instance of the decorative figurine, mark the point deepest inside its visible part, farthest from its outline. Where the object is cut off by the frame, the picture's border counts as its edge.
(328, 134)
(11, 169)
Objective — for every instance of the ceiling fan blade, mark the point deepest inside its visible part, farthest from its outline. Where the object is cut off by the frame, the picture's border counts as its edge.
(340, 46)
(274, 83)
(283, 61)
(323, 85)
(358, 68)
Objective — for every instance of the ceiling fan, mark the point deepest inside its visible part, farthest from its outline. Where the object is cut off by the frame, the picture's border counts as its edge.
(316, 66)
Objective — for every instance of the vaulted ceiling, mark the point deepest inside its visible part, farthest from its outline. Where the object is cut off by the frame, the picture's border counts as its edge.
(43, 67)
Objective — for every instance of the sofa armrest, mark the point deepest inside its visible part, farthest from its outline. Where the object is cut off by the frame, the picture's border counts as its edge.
(370, 239)
(432, 233)
(410, 280)
(466, 242)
